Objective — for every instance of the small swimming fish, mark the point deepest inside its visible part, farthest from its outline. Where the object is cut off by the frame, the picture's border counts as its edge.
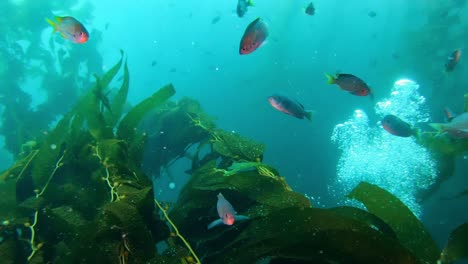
(350, 83)
(449, 115)
(395, 126)
(288, 106)
(242, 6)
(372, 14)
(457, 127)
(226, 213)
(254, 36)
(215, 20)
(70, 29)
(310, 9)
(452, 60)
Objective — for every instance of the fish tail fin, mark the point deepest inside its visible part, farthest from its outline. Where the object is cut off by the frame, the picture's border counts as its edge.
(250, 3)
(215, 223)
(371, 93)
(53, 24)
(309, 114)
(330, 79)
(449, 114)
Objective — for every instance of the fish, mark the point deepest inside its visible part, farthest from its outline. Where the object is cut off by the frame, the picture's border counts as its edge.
(216, 19)
(457, 127)
(226, 213)
(395, 126)
(242, 7)
(452, 60)
(449, 115)
(289, 106)
(350, 83)
(310, 9)
(70, 29)
(372, 14)
(254, 36)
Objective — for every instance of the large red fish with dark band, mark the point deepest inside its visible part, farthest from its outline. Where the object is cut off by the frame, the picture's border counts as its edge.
(254, 36)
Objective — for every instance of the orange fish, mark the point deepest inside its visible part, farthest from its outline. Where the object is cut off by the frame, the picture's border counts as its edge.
(70, 29)
(452, 60)
(254, 36)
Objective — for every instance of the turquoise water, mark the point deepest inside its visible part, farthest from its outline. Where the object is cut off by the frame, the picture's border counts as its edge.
(176, 42)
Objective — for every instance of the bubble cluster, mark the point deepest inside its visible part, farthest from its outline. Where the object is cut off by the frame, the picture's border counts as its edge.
(371, 154)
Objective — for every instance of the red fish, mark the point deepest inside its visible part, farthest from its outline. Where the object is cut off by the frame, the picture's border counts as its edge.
(397, 127)
(254, 36)
(226, 213)
(350, 83)
(70, 29)
(452, 60)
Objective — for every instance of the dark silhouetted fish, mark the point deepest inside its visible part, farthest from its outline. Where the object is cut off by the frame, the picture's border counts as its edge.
(290, 107)
(243, 6)
(310, 9)
(452, 60)
(395, 126)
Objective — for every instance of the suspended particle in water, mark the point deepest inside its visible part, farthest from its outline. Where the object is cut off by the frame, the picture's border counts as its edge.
(171, 185)
(53, 146)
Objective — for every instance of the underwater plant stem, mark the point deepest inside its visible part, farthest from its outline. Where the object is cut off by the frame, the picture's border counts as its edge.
(107, 178)
(34, 248)
(57, 166)
(27, 164)
(177, 231)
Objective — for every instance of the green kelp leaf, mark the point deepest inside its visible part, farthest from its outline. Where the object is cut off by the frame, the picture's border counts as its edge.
(466, 102)
(365, 217)
(119, 99)
(19, 167)
(409, 230)
(304, 235)
(8, 200)
(457, 245)
(443, 143)
(131, 120)
(110, 74)
(241, 166)
(50, 152)
(94, 116)
(233, 145)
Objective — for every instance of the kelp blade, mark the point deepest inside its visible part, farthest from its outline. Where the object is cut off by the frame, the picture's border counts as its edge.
(457, 245)
(307, 235)
(110, 74)
(409, 230)
(131, 120)
(118, 102)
